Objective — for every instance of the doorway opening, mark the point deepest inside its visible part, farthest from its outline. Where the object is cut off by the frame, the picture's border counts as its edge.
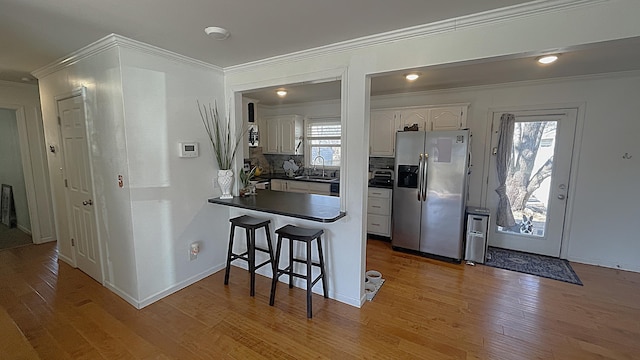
(18, 232)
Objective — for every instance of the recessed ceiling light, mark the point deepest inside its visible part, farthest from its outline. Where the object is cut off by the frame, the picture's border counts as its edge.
(547, 59)
(412, 76)
(281, 93)
(217, 33)
(26, 79)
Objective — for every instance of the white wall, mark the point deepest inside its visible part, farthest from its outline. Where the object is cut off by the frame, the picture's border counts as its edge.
(25, 101)
(140, 103)
(533, 33)
(100, 75)
(168, 193)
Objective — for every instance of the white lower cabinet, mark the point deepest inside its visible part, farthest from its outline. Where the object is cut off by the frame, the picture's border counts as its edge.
(379, 212)
(306, 187)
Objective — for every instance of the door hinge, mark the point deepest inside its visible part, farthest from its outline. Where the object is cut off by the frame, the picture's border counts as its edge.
(66, 183)
(73, 242)
(59, 121)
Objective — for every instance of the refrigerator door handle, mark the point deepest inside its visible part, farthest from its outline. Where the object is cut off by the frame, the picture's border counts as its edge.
(424, 176)
(420, 177)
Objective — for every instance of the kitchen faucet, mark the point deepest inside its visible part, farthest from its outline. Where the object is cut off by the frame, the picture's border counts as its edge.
(314, 163)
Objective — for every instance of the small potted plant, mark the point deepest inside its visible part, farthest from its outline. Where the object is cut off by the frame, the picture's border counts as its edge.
(224, 146)
(245, 179)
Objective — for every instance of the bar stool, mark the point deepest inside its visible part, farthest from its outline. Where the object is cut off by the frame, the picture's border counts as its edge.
(249, 224)
(305, 235)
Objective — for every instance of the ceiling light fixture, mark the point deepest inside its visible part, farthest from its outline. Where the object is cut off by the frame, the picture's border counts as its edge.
(217, 33)
(281, 93)
(547, 59)
(412, 76)
(26, 79)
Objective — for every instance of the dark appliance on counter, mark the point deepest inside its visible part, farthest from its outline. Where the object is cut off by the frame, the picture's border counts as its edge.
(382, 178)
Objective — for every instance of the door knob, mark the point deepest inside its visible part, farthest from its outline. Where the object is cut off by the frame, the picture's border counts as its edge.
(561, 197)
(88, 202)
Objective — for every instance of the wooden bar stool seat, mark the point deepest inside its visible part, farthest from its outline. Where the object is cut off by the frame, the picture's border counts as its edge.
(307, 236)
(249, 224)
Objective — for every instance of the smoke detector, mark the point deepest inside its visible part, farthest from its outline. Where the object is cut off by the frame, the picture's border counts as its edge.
(217, 33)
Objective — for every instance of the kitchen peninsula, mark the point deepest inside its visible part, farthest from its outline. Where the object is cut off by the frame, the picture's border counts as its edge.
(312, 207)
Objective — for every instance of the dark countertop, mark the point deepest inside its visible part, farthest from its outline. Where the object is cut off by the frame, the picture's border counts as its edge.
(319, 208)
(285, 177)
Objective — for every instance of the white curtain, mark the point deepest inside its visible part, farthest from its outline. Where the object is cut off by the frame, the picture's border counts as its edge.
(504, 216)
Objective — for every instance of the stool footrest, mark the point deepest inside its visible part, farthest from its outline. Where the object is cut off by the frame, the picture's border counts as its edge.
(263, 264)
(263, 250)
(244, 256)
(301, 276)
(305, 262)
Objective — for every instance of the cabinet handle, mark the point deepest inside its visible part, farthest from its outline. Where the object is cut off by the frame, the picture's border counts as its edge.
(375, 206)
(375, 224)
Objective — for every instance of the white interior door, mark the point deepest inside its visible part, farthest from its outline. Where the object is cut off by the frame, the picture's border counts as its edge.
(537, 180)
(79, 186)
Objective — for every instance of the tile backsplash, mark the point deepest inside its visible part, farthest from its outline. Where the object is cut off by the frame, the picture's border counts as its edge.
(381, 163)
(272, 163)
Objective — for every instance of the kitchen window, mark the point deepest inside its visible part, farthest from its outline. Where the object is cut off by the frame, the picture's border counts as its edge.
(322, 137)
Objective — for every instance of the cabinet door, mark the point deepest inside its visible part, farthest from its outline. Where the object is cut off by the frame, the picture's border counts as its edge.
(382, 133)
(378, 206)
(379, 225)
(319, 188)
(409, 117)
(448, 118)
(297, 186)
(278, 185)
(273, 145)
(287, 135)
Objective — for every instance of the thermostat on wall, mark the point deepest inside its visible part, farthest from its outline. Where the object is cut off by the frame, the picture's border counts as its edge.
(188, 149)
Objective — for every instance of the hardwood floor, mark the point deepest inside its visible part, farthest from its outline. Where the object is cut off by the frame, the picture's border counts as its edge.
(426, 309)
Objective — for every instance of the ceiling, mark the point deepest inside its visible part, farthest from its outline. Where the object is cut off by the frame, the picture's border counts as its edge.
(34, 33)
(597, 58)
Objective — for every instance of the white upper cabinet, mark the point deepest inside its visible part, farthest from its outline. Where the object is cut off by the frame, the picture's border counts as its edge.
(283, 134)
(448, 118)
(382, 133)
(384, 124)
(408, 117)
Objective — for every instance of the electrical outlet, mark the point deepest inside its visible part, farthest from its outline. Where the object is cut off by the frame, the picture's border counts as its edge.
(194, 249)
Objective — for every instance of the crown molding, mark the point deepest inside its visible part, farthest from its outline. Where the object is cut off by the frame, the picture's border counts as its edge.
(537, 7)
(111, 41)
(31, 86)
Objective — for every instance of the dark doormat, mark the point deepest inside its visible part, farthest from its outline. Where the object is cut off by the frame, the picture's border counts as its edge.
(539, 265)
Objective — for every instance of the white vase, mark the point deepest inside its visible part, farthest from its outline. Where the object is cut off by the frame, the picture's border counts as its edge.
(225, 180)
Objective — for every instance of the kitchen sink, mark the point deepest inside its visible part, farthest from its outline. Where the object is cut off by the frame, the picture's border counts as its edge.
(316, 178)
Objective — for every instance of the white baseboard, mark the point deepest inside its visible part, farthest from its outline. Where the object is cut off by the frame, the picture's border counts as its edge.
(68, 260)
(600, 262)
(128, 298)
(24, 230)
(179, 286)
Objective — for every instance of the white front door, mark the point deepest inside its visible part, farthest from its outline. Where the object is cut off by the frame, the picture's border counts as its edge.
(537, 180)
(79, 186)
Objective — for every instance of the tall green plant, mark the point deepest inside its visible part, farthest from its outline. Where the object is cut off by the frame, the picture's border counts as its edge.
(219, 135)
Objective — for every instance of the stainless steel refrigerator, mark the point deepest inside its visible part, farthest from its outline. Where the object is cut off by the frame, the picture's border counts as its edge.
(429, 194)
